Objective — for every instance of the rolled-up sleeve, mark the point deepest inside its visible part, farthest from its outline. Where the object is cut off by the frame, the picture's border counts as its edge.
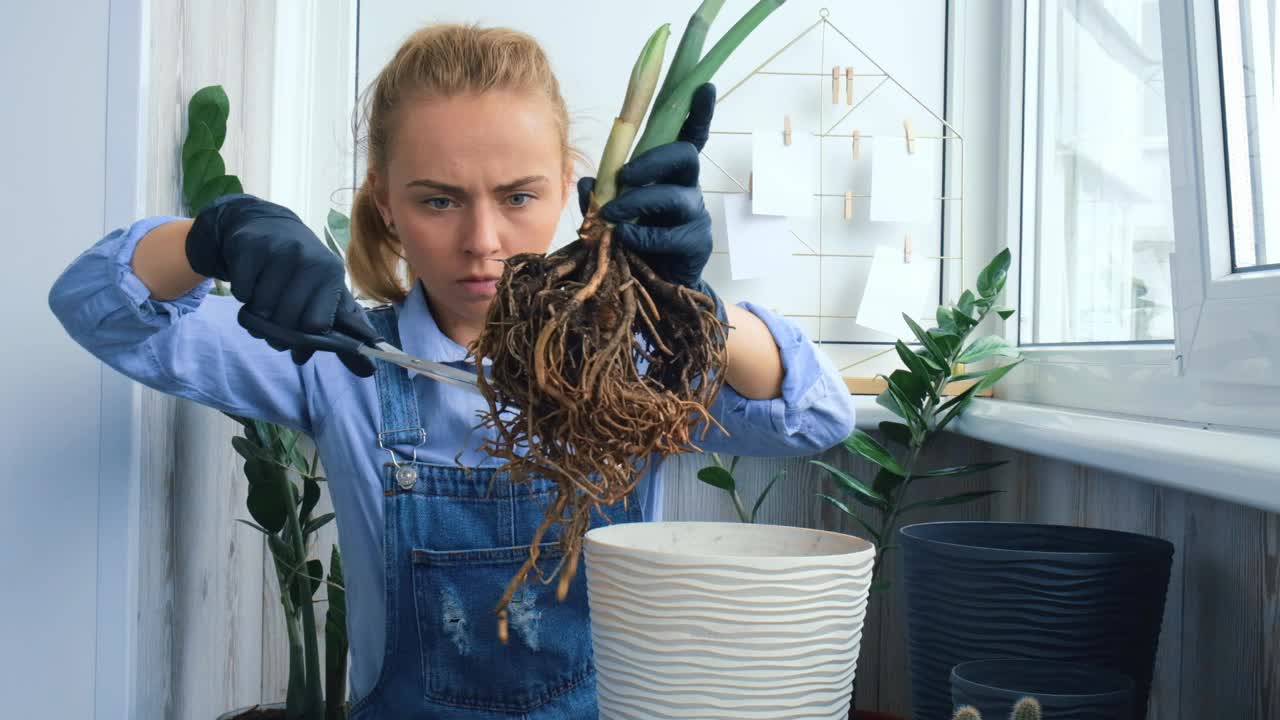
(814, 412)
(191, 346)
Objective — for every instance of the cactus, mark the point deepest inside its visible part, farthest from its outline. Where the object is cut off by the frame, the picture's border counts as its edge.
(968, 712)
(1028, 708)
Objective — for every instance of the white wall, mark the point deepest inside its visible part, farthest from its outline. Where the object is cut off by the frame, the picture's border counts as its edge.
(51, 458)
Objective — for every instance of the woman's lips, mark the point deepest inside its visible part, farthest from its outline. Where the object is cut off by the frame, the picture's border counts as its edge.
(480, 286)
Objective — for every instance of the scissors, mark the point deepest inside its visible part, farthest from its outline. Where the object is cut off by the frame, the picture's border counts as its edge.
(337, 341)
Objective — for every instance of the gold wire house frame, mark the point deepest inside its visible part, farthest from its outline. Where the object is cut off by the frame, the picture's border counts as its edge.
(884, 77)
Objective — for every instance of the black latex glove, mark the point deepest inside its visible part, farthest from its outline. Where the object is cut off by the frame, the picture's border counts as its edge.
(281, 272)
(669, 226)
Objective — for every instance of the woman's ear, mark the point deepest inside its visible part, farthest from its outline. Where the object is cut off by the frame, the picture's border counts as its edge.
(379, 193)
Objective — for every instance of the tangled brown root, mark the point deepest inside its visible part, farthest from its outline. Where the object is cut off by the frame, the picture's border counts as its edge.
(597, 364)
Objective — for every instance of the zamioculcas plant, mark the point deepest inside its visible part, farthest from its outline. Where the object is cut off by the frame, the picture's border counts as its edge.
(916, 395)
(280, 505)
(598, 363)
(719, 476)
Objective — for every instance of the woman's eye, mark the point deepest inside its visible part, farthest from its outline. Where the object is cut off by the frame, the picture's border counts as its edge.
(520, 199)
(438, 203)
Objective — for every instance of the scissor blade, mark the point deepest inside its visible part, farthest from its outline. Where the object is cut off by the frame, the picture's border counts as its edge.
(436, 371)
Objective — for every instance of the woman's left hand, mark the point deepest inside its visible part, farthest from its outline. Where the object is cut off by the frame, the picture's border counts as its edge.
(668, 223)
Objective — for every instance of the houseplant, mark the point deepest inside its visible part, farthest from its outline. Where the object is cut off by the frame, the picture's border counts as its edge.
(284, 483)
(916, 395)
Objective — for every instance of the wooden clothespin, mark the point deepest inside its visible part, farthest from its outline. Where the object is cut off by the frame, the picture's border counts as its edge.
(786, 130)
(857, 144)
(848, 85)
(848, 205)
(835, 84)
(911, 136)
(906, 248)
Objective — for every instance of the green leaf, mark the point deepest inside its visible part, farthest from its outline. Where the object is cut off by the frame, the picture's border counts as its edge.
(717, 476)
(965, 303)
(946, 319)
(991, 279)
(315, 569)
(255, 526)
(845, 508)
(316, 524)
(949, 500)
(896, 432)
(853, 485)
(960, 470)
(910, 386)
(248, 450)
(202, 167)
(199, 139)
(338, 227)
(941, 358)
(916, 363)
(310, 496)
(985, 347)
(889, 402)
(910, 410)
(270, 498)
(210, 106)
(886, 482)
(995, 374)
(1004, 312)
(946, 341)
(280, 549)
(214, 189)
(867, 447)
(763, 493)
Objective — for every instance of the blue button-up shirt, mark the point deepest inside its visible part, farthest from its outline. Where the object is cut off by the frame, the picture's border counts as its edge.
(193, 347)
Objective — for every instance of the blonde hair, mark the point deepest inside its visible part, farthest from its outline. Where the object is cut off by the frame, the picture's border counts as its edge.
(441, 60)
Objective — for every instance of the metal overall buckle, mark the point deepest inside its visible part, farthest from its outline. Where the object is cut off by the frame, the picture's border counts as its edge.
(407, 474)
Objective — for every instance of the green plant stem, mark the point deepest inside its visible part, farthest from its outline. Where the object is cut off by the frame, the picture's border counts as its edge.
(667, 117)
(314, 695)
(889, 517)
(737, 504)
(644, 81)
(690, 50)
(297, 688)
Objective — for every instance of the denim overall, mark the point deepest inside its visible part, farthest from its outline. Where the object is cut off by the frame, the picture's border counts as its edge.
(453, 538)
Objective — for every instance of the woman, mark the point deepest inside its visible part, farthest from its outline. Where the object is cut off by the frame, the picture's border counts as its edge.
(469, 163)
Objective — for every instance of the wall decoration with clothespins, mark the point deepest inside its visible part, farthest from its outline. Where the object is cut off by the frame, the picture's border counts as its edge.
(859, 165)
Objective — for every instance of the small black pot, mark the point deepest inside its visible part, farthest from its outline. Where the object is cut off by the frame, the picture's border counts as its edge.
(1065, 690)
(980, 590)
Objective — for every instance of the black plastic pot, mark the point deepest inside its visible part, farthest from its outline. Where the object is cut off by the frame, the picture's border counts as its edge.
(1065, 690)
(982, 590)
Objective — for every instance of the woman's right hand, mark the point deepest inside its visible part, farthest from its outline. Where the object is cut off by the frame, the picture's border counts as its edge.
(281, 272)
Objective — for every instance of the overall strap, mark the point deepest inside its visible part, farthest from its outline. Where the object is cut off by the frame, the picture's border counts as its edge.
(399, 403)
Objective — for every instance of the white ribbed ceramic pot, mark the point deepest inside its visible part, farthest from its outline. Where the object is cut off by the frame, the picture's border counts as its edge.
(718, 620)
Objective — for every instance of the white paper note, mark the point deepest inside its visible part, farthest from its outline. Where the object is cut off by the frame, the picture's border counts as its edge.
(758, 244)
(785, 176)
(904, 186)
(893, 288)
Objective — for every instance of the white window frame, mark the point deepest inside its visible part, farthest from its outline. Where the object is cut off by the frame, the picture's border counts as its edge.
(1184, 380)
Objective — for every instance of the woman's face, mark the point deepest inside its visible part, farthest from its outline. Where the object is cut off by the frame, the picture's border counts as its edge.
(472, 180)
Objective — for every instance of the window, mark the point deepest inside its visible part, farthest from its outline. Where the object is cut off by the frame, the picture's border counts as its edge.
(1247, 49)
(1142, 183)
(1097, 239)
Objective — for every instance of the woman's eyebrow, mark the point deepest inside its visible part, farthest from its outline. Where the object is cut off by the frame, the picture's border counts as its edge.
(455, 190)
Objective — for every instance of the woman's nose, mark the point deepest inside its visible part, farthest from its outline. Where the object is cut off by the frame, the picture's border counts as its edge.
(481, 234)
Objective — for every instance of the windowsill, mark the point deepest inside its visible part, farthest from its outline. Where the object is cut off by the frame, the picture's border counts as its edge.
(1242, 467)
